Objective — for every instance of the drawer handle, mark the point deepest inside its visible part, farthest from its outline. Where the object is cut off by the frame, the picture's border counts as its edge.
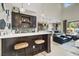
(21, 45)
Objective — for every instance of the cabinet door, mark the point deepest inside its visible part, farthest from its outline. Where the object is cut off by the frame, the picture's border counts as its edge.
(33, 20)
(7, 47)
(16, 20)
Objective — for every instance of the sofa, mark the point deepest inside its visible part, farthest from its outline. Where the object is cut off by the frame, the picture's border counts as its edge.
(59, 38)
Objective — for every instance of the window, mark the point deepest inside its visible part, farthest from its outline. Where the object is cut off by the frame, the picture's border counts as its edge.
(67, 5)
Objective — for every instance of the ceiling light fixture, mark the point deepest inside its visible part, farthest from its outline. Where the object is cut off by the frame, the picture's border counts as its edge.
(22, 9)
(28, 4)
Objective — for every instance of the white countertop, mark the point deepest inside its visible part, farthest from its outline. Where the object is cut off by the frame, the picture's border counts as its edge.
(24, 34)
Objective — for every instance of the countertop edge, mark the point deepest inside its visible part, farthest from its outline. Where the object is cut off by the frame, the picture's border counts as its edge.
(23, 34)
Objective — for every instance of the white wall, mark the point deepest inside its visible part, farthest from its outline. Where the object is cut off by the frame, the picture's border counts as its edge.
(51, 11)
(72, 12)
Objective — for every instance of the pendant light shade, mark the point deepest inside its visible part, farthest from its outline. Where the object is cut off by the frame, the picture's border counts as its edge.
(22, 9)
(28, 4)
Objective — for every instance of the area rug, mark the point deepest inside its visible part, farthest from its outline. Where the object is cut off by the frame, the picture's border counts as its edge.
(70, 46)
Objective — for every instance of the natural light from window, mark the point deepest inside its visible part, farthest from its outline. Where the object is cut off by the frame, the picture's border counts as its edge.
(67, 4)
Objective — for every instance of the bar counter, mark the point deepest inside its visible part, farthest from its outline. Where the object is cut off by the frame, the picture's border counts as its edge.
(8, 41)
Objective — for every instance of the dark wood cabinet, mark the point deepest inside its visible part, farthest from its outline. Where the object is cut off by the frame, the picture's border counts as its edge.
(23, 20)
(32, 49)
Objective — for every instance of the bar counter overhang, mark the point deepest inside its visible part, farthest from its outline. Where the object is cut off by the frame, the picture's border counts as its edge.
(7, 41)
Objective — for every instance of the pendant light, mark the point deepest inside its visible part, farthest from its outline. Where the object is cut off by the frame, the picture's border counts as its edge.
(28, 4)
(22, 9)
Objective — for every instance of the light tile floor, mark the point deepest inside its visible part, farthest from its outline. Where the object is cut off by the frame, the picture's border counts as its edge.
(56, 50)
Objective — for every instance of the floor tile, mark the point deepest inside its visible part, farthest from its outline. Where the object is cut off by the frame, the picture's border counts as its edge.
(56, 50)
(39, 54)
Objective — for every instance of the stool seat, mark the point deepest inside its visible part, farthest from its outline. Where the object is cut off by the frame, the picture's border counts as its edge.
(21, 45)
(39, 41)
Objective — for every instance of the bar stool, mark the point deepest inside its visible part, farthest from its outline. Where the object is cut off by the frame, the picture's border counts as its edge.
(39, 41)
(21, 45)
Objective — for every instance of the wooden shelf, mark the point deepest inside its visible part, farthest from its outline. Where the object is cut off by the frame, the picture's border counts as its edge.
(19, 19)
